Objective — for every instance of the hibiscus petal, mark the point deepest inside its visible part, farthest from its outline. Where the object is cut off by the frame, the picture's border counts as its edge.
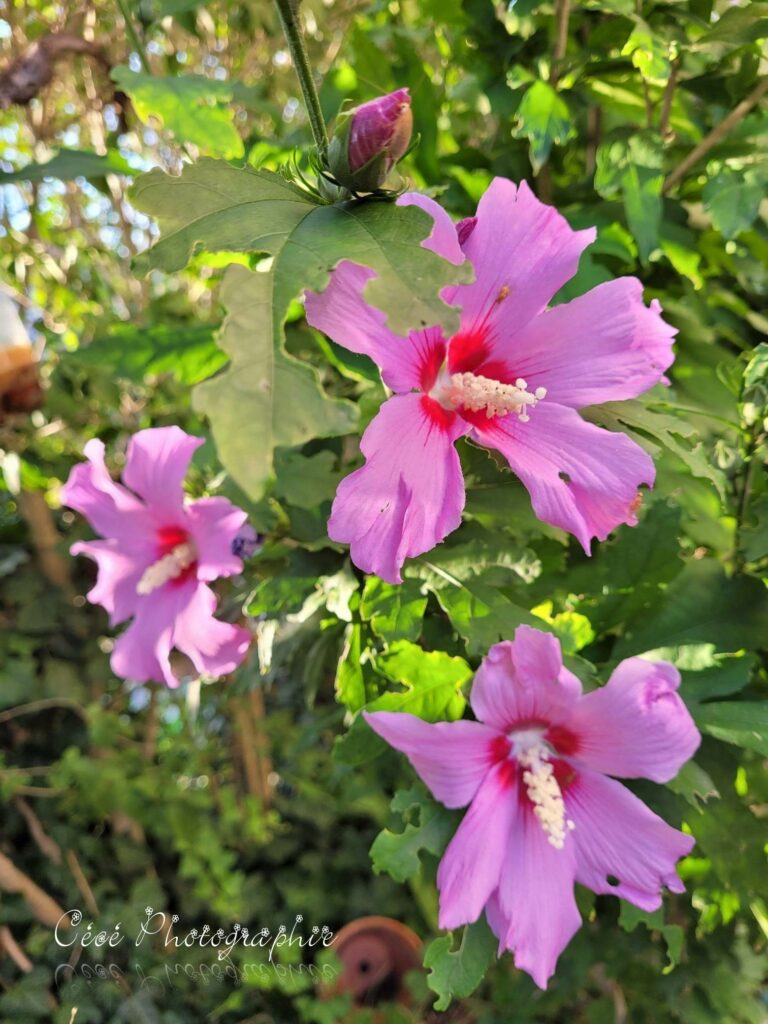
(119, 573)
(142, 652)
(535, 898)
(178, 615)
(580, 477)
(601, 347)
(523, 680)
(110, 509)
(342, 313)
(452, 758)
(618, 837)
(214, 523)
(409, 495)
(471, 866)
(636, 726)
(156, 464)
(522, 252)
(444, 239)
(215, 648)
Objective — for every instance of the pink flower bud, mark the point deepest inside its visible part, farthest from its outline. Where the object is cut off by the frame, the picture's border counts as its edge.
(369, 140)
(383, 124)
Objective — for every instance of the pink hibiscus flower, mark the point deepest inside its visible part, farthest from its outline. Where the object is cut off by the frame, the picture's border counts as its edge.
(158, 555)
(543, 812)
(512, 379)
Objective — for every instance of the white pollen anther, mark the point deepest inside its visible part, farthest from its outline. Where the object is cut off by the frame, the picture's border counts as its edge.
(475, 392)
(544, 792)
(169, 567)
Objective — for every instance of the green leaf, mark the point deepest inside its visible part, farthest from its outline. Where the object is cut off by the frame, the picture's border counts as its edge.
(214, 206)
(432, 682)
(572, 629)
(350, 682)
(694, 785)
(395, 612)
(732, 199)
(68, 164)
(428, 828)
(728, 675)
(622, 579)
(742, 723)
(631, 916)
(482, 615)
(305, 481)
(187, 352)
(265, 398)
(739, 25)
(756, 371)
(633, 168)
(156, 10)
(703, 605)
(543, 118)
(187, 105)
(649, 53)
(454, 974)
(671, 431)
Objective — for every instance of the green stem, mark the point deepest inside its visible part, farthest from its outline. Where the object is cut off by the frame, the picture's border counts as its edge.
(134, 36)
(288, 10)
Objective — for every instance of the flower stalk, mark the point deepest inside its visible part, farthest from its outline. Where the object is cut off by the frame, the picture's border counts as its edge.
(288, 12)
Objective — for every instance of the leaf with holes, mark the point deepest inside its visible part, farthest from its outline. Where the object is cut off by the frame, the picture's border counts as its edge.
(213, 206)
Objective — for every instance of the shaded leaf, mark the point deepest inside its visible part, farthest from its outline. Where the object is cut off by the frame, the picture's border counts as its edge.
(265, 398)
(694, 785)
(703, 605)
(305, 481)
(732, 199)
(631, 916)
(188, 352)
(428, 828)
(671, 431)
(742, 723)
(454, 974)
(68, 164)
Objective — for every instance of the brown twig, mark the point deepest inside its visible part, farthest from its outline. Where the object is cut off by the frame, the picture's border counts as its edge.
(24, 77)
(43, 906)
(45, 844)
(82, 883)
(41, 791)
(594, 130)
(14, 950)
(42, 705)
(562, 16)
(254, 744)
(666, 103)
(45, 539)
(717, 134)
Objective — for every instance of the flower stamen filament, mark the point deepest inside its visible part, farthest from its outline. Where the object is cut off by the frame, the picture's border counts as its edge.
(475, 392)
(167, 568)
(543, 790)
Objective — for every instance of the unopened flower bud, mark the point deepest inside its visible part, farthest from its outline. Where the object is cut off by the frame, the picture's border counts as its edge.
(369, 140)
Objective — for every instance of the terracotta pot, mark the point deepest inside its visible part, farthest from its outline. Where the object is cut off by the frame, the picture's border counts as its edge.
(375, 955)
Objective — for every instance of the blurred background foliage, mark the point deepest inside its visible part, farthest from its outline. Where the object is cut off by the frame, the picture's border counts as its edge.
(258, 798)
